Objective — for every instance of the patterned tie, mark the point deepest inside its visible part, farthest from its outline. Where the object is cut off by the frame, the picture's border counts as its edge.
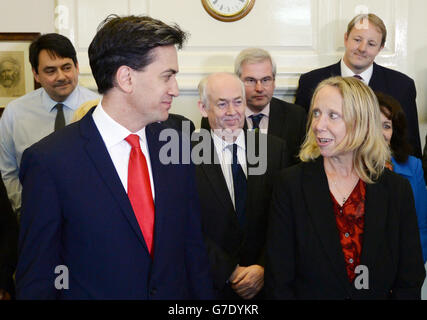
(240, 186)
(139, 191)
(59, 120)
(358, 77)
(256, 119)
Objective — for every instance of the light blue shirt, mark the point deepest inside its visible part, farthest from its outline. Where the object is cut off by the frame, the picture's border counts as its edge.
(24, 122)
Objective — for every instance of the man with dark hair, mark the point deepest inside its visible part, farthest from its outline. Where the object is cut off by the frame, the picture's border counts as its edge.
(31, 117)
(100, 201)
(365, 38)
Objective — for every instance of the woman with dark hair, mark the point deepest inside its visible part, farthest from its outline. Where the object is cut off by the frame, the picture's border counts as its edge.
(393, 121)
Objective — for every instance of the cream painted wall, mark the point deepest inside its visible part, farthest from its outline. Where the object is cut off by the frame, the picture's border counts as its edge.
(417, 58)
(301, 34)
(27, 16)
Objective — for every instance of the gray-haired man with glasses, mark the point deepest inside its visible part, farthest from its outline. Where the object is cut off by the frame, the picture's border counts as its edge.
(256, 68)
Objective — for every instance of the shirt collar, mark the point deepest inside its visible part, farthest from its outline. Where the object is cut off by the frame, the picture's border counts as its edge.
(111, 131)
(71, 102)
(265, 111)
(366, 75)
(221, 144)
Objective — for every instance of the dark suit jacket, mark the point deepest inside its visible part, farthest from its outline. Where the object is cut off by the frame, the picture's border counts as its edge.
(8, 241)
(227, 242)
(388, 81)
(304, 254)
(425, 160)
(286, 121)
(179, 122)
(76, 213)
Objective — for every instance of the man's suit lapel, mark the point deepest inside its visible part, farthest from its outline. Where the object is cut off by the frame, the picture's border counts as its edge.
(335, 69)
(319, 205)
(255, 182)
(275, 119)
(378, 81)
(161, 178)
(101, 160)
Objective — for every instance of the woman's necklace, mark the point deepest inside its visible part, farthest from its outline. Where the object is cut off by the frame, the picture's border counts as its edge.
(343, 198)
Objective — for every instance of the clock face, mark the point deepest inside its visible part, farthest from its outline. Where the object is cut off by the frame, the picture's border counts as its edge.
(228, 10)
(227, 7)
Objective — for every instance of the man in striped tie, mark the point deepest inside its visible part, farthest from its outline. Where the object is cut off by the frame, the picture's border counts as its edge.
(364, 39)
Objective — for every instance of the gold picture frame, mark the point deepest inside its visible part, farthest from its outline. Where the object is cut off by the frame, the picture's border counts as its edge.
(16, 77)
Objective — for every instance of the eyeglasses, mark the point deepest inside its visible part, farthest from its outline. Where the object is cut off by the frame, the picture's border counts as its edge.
(265, 82)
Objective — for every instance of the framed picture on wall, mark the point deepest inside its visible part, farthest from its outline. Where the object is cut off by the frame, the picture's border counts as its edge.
(16, 77)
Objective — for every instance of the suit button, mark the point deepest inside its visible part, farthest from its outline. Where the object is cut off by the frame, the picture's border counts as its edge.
(153, 291)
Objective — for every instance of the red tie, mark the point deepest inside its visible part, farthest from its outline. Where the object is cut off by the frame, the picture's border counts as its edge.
(139, 191)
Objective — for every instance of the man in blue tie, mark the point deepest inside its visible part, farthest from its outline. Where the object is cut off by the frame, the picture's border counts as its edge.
(234, 195)
(257, 70)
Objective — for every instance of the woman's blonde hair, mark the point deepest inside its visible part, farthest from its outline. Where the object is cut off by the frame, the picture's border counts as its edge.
(364, 136)
(83, 109)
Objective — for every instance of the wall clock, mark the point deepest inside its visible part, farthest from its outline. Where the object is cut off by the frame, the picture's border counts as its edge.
(228, 10)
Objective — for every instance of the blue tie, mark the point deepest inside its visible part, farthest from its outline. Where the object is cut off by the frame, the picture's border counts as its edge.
(240, 187)
(256, 119)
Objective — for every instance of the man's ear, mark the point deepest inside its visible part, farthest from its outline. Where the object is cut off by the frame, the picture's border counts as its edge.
(124, 79)
(36, 75)
(345, 37)
(202, 108)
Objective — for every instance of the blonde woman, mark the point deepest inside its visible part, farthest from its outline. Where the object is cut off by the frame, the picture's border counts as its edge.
(343, 227)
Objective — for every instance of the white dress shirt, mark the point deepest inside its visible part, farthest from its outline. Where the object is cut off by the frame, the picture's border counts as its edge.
(114, 135)
(366, 75)
(225, 157)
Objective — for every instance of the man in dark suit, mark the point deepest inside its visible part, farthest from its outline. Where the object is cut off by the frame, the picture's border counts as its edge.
(8, 245)
(363, 41)
(234, 210)
(256, 68)
(104, 216)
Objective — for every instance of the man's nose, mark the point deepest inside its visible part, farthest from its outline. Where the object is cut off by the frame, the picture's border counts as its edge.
(362, 46)
(258, 86)
(174, 90)
(60, 75)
